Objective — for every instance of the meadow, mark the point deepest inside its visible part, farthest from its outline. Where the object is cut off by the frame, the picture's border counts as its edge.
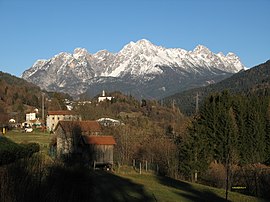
(42, 138)
(123, 184)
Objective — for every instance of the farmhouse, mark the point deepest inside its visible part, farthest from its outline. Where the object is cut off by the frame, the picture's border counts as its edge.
(82, 138)
(30, 116)
(68, 135)
(64, 115)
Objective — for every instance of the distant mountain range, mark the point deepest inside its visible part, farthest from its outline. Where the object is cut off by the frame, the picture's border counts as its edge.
(255, 81)
(141, 69)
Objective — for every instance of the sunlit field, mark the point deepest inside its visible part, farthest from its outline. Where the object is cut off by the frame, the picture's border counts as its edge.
(42, 138)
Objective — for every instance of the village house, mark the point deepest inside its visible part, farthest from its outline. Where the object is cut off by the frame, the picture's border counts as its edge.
(30, 116)
(109, 122)
(64, 115)
(31, 121)
(83, 138)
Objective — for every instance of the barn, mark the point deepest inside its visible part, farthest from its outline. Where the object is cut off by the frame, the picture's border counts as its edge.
(82, 138)
(68, 135)
(98, 150)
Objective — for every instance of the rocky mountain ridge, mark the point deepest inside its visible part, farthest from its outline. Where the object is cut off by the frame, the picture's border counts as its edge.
(139, 68)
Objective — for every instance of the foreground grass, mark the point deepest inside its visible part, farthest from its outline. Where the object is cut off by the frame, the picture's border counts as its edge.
(167, 189)
(43, 139)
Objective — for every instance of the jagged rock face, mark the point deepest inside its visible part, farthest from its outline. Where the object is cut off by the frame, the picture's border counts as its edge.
(142, 69)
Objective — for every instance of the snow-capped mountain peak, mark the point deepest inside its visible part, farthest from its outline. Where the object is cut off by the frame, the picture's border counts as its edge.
(139, 61)
(80, 52)
(200, 49)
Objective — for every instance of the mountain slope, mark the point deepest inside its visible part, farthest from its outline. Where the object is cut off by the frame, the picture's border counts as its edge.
(138, 68)
(255, 80)
(18, 96)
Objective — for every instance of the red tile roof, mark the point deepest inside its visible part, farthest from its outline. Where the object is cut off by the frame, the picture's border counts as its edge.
(85, 126)
(99, 140)
(62, 112)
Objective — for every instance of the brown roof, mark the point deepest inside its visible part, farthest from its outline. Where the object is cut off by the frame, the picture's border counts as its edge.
(85, 126)
(100, 140)
(62, 112)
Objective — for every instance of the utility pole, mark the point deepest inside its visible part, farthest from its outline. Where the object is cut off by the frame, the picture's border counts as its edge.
(196, 111)
(173, 104)
(42, 106)
(43, 114)
(197, 103)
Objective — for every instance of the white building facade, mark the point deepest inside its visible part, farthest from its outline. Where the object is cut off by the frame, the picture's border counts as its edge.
(54, 116)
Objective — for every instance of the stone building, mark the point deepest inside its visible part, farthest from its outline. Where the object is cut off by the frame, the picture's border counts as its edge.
(64, 115)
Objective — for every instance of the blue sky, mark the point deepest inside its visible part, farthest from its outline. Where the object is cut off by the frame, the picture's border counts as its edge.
(40, 29)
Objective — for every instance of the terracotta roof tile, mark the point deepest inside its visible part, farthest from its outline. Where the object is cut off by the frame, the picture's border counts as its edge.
(85, 126)
(99, 140)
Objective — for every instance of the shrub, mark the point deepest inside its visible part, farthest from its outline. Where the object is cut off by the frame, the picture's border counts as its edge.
(215, 175)
(10, 151)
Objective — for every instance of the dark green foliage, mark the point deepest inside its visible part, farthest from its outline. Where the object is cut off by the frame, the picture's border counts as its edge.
(10, 151)
(194, 153)
(254, 81)
(229, 128)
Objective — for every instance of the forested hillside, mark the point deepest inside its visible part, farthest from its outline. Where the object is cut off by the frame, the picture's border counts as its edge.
(232, 131)
(252, 81)
(16, 92)
(18, 96)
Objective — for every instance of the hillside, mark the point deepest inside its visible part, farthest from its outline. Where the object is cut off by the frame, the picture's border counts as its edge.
(252, 81)
(162, 188)
(16, 91)
(18, 96)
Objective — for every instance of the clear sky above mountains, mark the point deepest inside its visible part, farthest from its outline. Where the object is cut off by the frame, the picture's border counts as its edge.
(40, 29)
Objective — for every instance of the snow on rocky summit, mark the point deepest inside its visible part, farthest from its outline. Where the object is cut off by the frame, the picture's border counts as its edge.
(141, 60)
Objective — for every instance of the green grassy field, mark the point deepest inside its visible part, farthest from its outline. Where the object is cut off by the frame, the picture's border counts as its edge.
(167, 189)
(128, 185)
(43, 139)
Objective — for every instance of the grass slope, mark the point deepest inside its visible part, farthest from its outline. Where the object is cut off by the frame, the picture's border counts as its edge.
(43, 139)
(167, 189)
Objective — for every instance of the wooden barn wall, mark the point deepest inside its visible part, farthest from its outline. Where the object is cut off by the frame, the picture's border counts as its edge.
(102, 153)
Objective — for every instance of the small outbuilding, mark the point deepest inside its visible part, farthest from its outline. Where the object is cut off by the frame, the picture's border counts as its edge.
(82, 138)
(68, 135)
(98, 150)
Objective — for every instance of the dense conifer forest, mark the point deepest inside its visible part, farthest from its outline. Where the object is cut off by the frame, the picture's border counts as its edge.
(255, 81)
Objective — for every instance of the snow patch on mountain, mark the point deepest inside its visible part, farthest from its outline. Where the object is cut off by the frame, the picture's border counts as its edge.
(139, 61)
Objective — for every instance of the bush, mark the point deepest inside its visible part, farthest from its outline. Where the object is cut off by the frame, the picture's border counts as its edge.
(10, 151)
(215, 176)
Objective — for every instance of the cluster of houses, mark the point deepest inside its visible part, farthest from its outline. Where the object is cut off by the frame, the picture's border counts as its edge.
(74, 137)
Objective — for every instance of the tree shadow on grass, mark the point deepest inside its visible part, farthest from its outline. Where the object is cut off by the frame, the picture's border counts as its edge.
(80, 184)
(27, 182)
(189, 192)
(111, 187)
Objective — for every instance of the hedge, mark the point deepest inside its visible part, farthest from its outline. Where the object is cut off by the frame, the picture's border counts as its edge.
(10, 151)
